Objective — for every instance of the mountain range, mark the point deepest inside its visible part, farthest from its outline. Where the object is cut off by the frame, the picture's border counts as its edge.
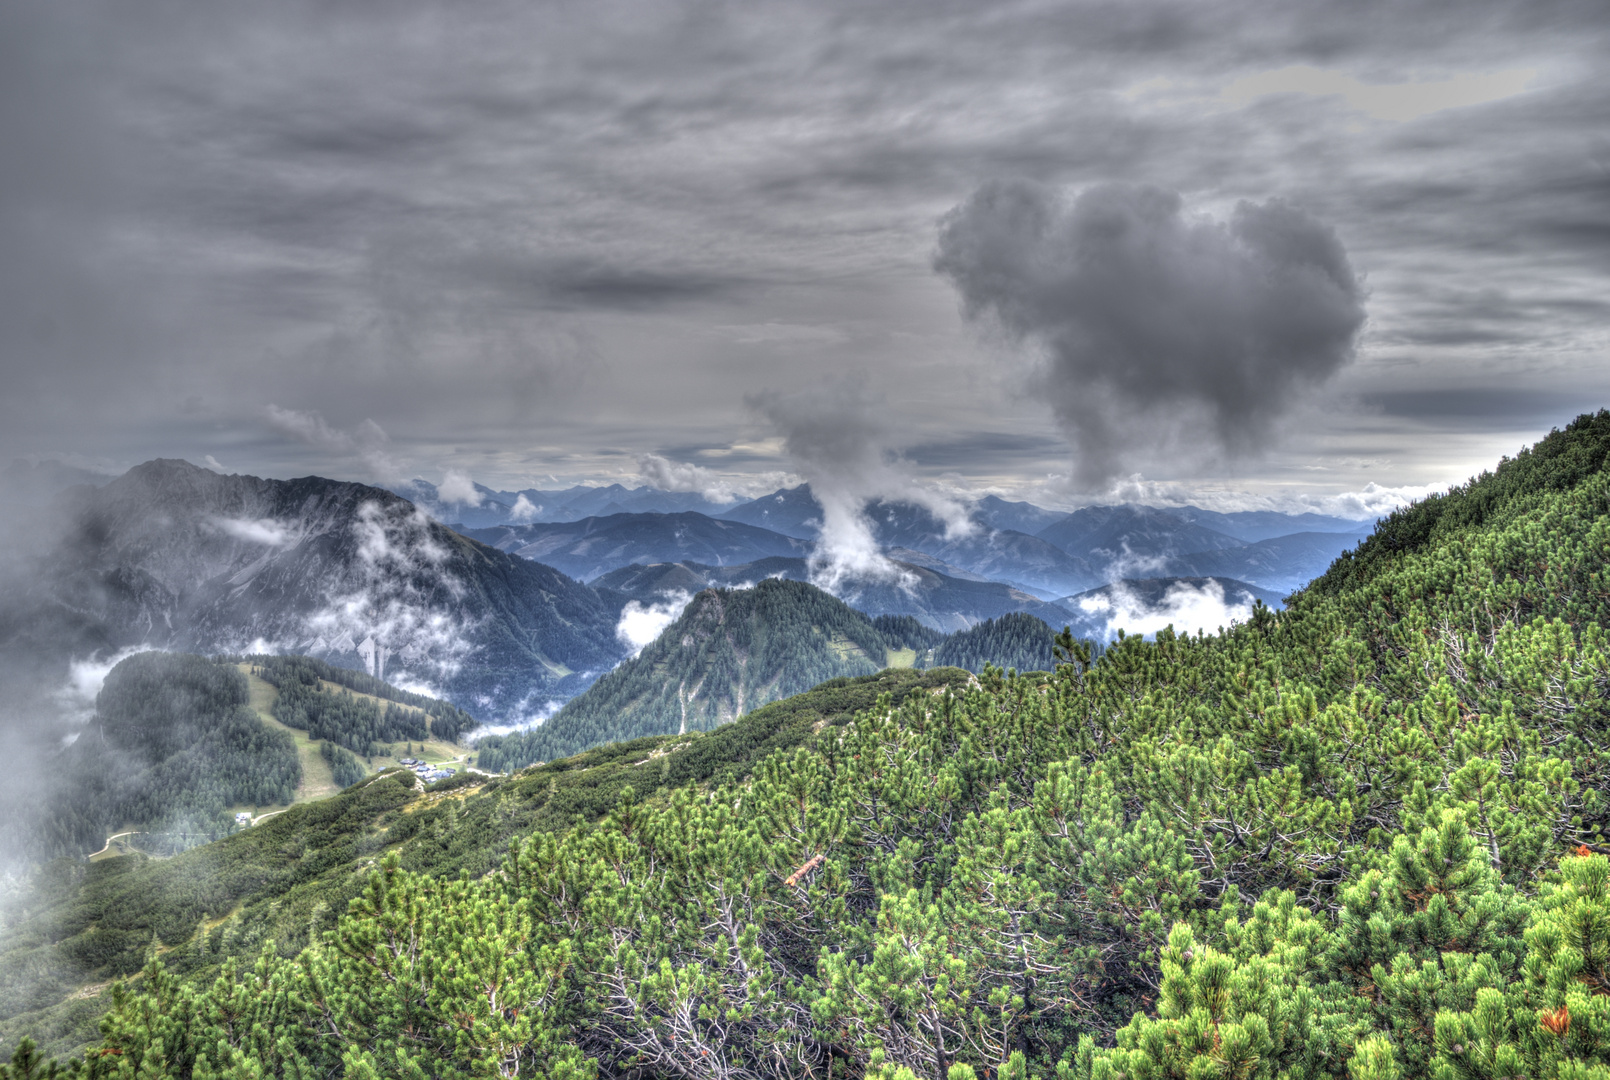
(593, 546)
(1402, 873)
(504, 619)
(173, 556)
(1054, 554)
(492, 507)
(1065, 554)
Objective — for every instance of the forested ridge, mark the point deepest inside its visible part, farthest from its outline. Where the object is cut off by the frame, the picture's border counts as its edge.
(733, 650)
(1362, 837)
(171, 747)
(1017, 640)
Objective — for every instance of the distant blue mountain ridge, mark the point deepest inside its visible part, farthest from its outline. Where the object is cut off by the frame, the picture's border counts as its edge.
(1046, 554)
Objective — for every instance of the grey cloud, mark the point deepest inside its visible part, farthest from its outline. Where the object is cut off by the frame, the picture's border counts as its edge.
(975, 448)
(1148, 313)
(506, 229)
(840, 438)
(1503, 408)
(591, 283)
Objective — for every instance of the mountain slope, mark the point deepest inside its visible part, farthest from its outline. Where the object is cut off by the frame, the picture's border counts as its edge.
(490, 510)
(1282, 564)
(1252, 526)
(172, 745)
(290, 877)
(791, 511)
(1120, 539)
(731, 651)
(594, 546)
(173, 556)
(1018, 641)
(1023, 517)
(533, 504)
(1005, 555)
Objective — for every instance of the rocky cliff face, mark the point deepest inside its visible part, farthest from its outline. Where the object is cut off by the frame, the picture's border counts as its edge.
(174, 556)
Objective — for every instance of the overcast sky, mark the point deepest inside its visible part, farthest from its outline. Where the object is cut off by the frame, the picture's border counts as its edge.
(1277, 253)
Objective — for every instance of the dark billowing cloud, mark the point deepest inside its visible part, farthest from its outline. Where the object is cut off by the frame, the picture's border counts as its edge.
(1153, 318)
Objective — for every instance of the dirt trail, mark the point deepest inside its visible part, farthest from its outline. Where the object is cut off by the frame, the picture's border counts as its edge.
(109, 839)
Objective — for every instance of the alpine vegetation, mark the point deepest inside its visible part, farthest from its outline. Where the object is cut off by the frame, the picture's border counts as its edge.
(1361, 837)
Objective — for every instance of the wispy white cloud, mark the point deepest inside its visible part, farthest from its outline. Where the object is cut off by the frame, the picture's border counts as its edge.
(842, 439)
(458, 489)
(265, 531)
(660, 472)
(366, 443)
(1185, 607)
(640, 623)
(529, 713)
(1364, 504)
(76, 697)
(523, 510)
(403, 596)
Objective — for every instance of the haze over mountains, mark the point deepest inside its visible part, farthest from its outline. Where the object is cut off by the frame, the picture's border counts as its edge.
(712, 615)
(937, 600)
(593, 546)
(511, 619)
(173, 556)
(1044, 552)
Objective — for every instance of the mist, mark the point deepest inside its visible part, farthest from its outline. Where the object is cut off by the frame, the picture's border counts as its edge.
(641, 623)
(839, 438)
(1184, 606)
(49, 675)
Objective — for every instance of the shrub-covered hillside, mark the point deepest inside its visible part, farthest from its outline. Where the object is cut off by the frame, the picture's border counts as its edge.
(287, 879)
(1361, 838)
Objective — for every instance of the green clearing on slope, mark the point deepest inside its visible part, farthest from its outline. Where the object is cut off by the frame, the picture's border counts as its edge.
(317, 782)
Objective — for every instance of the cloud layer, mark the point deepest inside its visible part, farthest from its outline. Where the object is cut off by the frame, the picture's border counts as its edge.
(524, 241)
(641, 623)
